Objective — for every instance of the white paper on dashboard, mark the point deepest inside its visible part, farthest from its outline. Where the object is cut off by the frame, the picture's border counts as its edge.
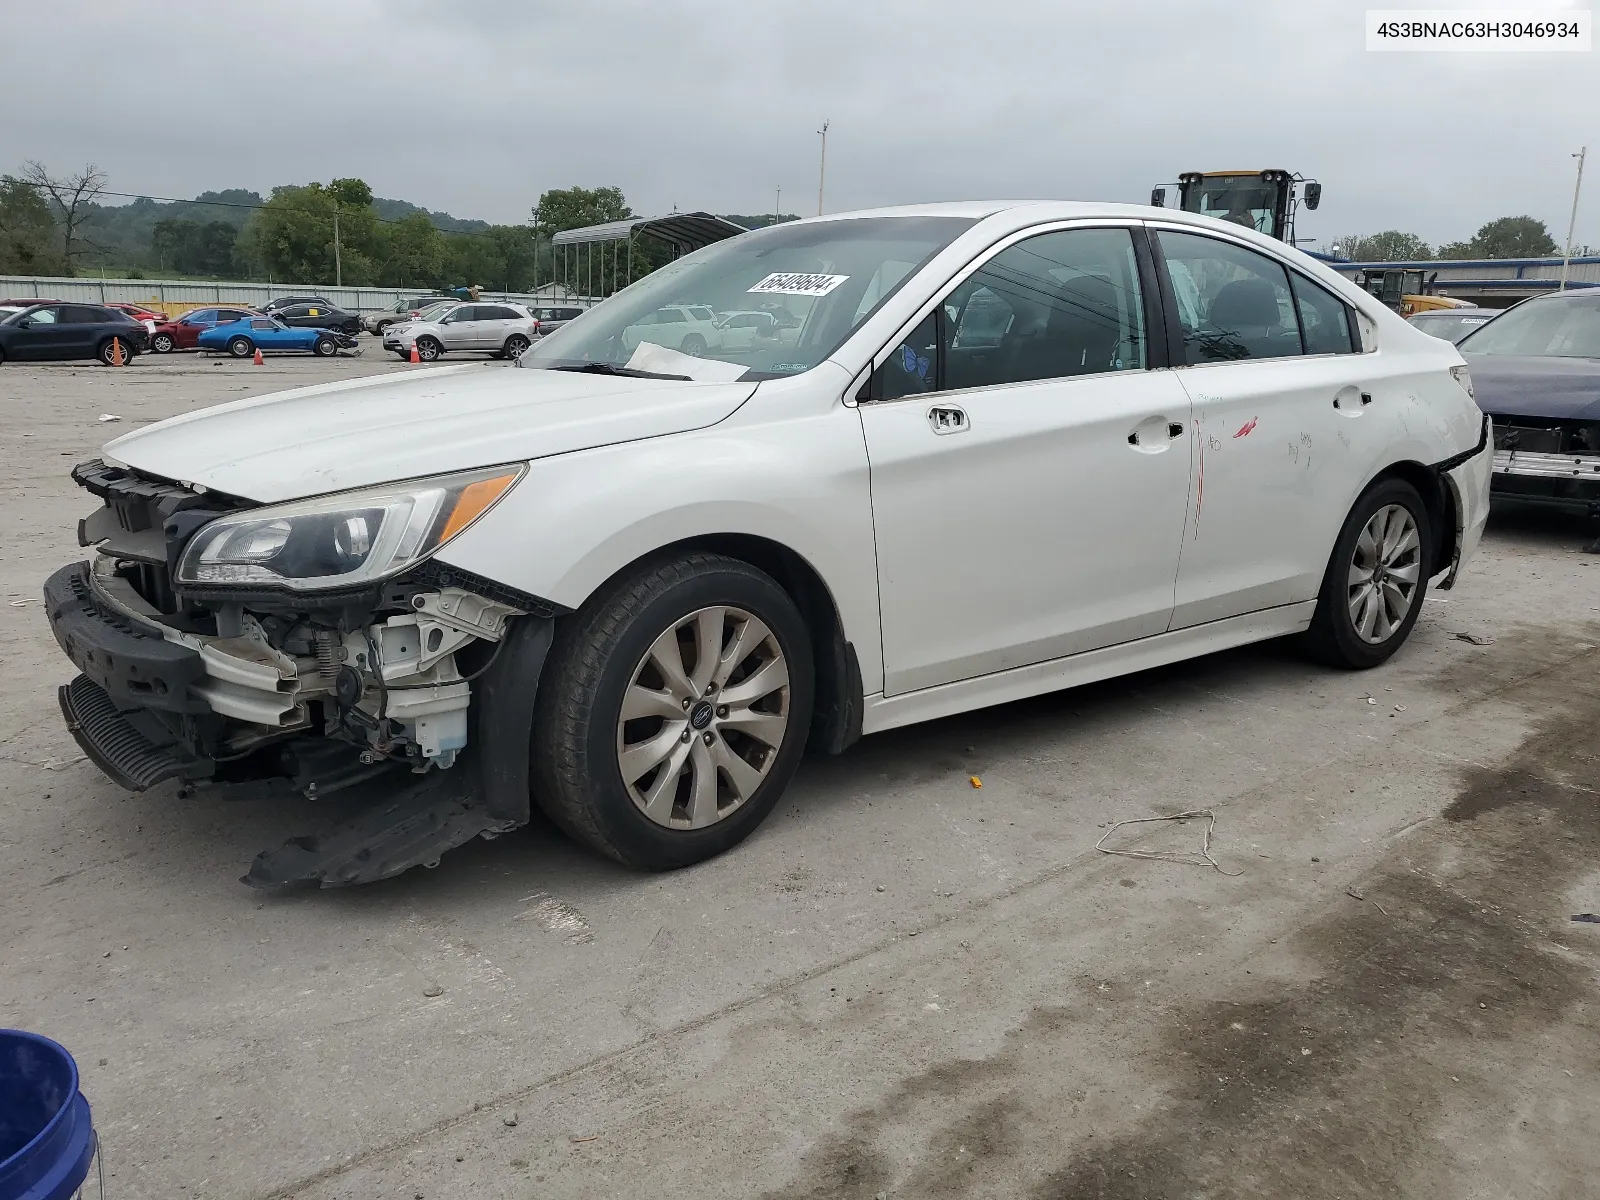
(794, 283)
(664, 361)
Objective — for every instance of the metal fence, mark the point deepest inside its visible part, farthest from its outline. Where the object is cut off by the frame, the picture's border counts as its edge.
(190, 293)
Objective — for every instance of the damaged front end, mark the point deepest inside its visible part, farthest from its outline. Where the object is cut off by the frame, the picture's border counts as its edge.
(315, 646)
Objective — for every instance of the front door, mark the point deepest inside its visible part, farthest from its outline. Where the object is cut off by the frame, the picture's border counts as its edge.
(1283, 437)
(1028, 488)
(460, 330)
(46, 336)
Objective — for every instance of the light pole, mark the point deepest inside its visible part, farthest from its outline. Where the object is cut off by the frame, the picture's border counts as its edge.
(1572, 222)
(777, 204)
(338, 269)
(822, 165)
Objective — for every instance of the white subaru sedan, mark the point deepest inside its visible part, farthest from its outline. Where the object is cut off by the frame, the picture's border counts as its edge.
(1009, 448)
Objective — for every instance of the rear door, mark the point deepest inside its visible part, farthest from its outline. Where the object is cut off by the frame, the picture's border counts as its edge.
(1282, 437)
(83, 326)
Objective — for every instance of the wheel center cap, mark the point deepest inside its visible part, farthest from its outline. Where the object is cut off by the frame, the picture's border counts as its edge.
(700, 716)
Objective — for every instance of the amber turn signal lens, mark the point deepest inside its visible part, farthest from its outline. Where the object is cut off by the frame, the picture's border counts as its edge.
(475, 498)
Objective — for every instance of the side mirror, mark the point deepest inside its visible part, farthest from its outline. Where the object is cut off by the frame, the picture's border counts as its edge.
(1313, 194)
(1158, 198)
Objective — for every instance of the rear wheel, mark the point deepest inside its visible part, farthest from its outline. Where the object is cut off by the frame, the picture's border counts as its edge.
(241, 347)
(673, 711)
(428, 349)
(515, 345)
(694, 344)
(115, 352)
(162, 343)
(1376, 579)
(324, 346)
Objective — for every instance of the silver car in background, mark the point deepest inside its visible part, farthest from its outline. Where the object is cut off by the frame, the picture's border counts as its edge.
(400, 312)
(498, 329)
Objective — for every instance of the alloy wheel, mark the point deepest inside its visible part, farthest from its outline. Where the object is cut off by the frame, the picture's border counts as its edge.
(1385, 571)
(703, 718)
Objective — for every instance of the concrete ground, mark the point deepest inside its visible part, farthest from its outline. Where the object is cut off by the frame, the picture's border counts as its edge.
(900, 986)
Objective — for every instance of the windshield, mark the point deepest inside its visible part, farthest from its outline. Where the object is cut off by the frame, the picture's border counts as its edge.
(1242, 199)
(818, 280)
(1452, 326)
(6, 312)
(1549, 327)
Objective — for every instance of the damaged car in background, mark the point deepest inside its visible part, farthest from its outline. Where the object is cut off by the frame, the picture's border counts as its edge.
(1536, 369)
(630, 584)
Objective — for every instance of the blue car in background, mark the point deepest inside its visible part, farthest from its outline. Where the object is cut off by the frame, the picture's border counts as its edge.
(243, 338)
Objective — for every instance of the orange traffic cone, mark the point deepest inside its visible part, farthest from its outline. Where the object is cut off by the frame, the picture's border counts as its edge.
(415, 357)
(257, 359)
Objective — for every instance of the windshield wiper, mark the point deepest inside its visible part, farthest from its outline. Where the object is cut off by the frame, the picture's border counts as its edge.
(600, 368)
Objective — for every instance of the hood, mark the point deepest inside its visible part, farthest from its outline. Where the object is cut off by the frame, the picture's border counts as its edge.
(385, 428)
(1515, 385)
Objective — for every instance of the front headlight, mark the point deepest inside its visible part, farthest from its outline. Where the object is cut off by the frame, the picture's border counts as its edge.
(341, 541)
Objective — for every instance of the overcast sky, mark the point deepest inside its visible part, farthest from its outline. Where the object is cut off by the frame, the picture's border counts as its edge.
(475, 108)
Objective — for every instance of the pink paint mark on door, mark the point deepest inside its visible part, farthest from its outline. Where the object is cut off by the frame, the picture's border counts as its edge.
(1244, 430)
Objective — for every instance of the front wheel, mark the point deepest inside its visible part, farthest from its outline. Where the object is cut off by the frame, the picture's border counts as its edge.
(1376, 579)
(672, 711)
(323, 347)
(428, 349)
(241, 347)
(162, 343)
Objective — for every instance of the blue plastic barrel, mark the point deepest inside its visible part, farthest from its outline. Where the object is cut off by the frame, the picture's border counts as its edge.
(46, 1135)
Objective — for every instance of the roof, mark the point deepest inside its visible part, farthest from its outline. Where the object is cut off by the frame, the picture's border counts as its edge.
(687, 231)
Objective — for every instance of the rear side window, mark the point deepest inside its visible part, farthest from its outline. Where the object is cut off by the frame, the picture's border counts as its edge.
(702, 314)
(80, 314)
(1324, 320)
(1232, 302)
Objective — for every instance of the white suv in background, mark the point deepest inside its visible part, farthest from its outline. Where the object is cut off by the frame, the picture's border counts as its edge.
(691, 328)
(495, 328)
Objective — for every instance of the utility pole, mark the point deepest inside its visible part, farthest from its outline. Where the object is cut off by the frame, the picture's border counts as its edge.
(822, 165)
(338, 268)
(1566, 262)
(777, 204)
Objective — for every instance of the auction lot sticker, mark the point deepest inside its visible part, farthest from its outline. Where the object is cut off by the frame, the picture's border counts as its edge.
(781, 283)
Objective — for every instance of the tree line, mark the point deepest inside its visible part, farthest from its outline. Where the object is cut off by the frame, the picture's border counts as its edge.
(59, 225)
(1504, 237)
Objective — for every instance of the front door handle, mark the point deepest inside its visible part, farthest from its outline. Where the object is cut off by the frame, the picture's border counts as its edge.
(948, 418)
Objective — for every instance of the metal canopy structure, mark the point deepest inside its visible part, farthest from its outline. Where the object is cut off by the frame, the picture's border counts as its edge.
(583, 264)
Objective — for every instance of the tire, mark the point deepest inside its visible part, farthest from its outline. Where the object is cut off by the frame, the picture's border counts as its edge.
(107, 350)
(694, 344)
(1364, 611)
(609, 649)
(515, 345)
(324, 347)
(241, 347)
(428, 349)
(162, 343)
(2, 356)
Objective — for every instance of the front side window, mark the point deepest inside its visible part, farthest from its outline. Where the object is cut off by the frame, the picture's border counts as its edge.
(204, 316)
(1232, 302)
(43, 316)
(830, 274)
(1050, 307)
(263, 325)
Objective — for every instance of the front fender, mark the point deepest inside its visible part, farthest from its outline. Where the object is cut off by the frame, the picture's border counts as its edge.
(578, 519)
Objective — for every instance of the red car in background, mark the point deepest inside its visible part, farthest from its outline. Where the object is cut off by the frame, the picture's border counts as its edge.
(183, 333)
(140, 313)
